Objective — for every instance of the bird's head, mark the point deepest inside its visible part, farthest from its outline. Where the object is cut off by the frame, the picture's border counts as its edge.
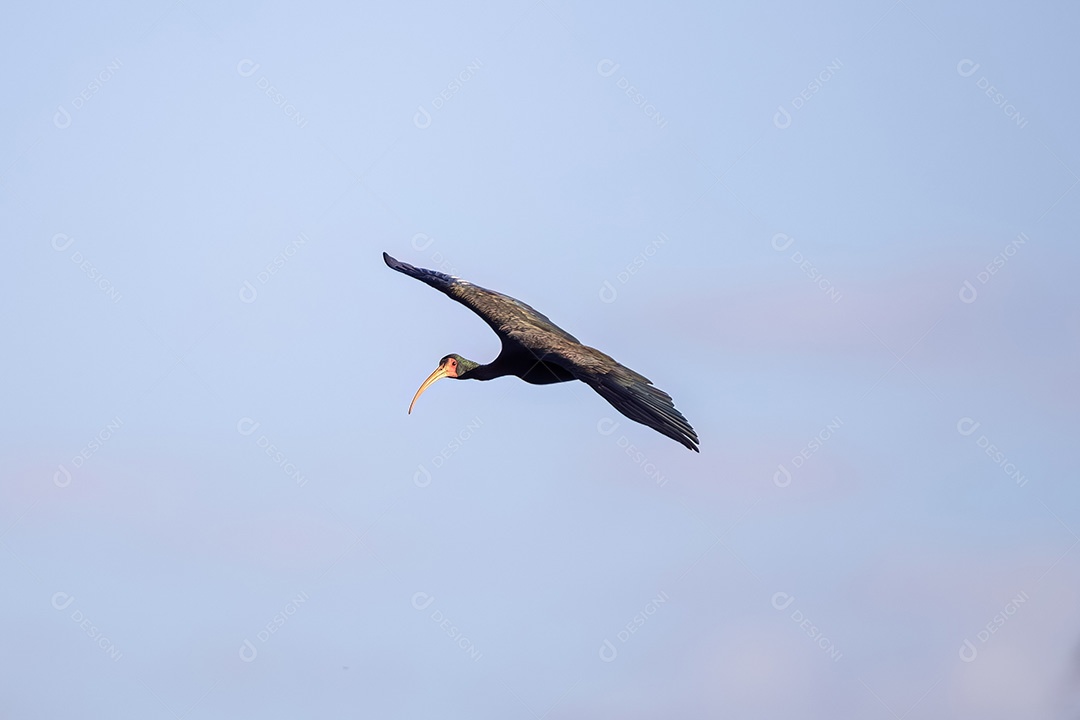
(451, 366)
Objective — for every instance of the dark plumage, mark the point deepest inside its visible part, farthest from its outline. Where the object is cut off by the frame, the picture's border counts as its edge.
(540, 352)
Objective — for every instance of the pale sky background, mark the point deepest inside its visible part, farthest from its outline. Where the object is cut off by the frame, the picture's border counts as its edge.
(484, 557)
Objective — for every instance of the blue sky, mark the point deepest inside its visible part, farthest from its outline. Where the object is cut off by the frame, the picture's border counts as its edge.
(840, 236)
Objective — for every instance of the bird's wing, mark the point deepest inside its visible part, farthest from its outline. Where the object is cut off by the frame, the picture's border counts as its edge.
(629, 392)
(511, 319)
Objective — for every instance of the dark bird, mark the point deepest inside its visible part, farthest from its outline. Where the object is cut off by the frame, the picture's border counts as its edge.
(540, 352)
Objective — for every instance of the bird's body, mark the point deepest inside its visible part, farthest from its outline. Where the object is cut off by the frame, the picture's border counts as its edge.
(540, 352)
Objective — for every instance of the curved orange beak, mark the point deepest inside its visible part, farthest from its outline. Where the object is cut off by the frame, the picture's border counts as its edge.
(439, 374)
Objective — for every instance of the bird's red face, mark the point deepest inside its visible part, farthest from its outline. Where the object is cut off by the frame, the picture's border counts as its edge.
(448, 367)
(450, 364)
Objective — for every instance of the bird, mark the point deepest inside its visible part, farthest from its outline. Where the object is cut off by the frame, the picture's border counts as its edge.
(540, 352)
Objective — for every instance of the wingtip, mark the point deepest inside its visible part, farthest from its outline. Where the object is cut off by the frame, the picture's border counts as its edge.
(688, 441)
(394, 264)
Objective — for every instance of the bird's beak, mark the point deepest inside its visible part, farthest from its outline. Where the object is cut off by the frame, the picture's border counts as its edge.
(439, 374)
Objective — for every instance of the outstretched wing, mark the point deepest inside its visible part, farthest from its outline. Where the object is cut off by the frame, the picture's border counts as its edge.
(648, 405)
(509, 318)
(629, 392)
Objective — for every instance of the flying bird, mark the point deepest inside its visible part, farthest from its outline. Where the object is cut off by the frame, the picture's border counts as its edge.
(540, 352)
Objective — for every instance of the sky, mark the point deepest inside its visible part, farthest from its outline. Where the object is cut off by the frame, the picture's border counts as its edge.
(840, 235)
